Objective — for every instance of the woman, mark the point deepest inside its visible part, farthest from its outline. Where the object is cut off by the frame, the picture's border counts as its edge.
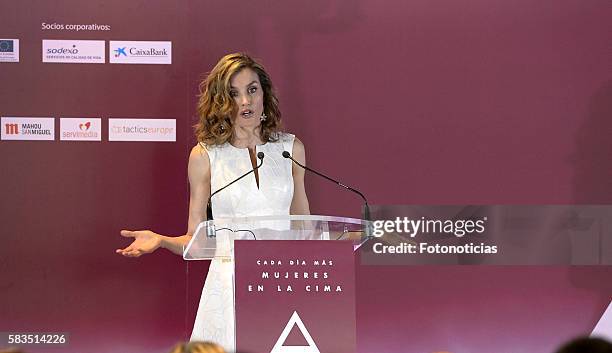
(238, 117)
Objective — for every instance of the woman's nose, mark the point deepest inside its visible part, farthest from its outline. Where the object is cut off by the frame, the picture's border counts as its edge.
(245, 99)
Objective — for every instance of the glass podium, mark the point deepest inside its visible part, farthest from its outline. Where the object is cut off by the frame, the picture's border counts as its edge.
(217, 240)
(215, 237)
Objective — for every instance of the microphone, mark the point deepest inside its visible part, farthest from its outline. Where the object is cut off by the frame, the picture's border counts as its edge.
(210, 231)
(366, 211)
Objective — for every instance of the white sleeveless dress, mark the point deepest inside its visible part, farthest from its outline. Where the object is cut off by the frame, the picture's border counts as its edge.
(215, 317)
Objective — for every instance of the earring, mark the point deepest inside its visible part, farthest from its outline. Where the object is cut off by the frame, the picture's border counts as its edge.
(263, 117)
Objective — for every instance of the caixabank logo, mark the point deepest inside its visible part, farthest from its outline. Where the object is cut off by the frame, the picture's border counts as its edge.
(140, 52)
(9, 50)
(17, 128)
(74, 51)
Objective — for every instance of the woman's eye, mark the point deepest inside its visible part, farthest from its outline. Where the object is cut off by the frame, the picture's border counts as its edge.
(252, 90)
(233, 94)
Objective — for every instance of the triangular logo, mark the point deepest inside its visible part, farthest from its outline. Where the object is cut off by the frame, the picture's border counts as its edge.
(604, 326)
(279, 346)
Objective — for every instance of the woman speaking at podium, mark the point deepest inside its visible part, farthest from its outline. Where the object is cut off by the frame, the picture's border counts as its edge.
(239, 117)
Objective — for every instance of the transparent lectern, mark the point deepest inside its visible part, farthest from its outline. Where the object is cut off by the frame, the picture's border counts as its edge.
(215, 238)
(299, 275)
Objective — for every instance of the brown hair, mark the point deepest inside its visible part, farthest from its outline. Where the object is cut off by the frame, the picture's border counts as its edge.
(587, 344)
(197, 347)
(216, 107)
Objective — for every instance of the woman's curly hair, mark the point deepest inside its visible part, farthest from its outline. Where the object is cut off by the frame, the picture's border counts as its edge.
(216, 108)
(197, 347)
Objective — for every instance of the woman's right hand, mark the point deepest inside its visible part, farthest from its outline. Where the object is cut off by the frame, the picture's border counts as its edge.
(145, 241)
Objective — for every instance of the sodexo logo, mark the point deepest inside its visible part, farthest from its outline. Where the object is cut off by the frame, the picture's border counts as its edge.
(73, 51)
(140, 52)
(80, 129)
(17, 128)
(9, 50)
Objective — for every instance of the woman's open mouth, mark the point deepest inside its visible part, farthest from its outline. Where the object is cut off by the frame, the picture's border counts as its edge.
(246, 113)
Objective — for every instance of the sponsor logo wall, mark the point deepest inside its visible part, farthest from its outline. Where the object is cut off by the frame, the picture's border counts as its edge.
(140, 52)
(9, 50)
(14, 128)
(94, 51)
(74, 51)
(89, 129)
(81, 129)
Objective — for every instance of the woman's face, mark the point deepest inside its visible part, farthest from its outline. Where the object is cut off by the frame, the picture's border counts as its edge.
(248, 94)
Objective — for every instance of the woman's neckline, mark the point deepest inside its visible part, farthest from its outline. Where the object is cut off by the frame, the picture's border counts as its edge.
(246, 148)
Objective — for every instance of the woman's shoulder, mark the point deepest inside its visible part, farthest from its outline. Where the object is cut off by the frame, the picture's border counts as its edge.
(200, 153)
(198, 167)
(285, 136)
(289, 137)
(290, 142)
(204, 148)
(298, 146)
(199, 148)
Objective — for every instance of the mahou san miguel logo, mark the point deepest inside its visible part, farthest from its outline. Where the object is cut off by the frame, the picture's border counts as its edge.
(11, 129)
(81, 129)
(14, 128)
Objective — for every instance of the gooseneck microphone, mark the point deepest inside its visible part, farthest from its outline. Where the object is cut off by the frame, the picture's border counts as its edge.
(210, 231)
(366, 210)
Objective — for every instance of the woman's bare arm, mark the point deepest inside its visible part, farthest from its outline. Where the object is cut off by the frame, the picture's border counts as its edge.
(198, 171)
(299, 204)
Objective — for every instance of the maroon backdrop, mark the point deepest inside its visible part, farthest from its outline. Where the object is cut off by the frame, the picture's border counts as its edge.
(410, 101)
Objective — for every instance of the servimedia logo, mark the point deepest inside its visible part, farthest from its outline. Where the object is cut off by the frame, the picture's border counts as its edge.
(140, 52)
(163, 130)
(14, 128)
(80, 129)
(73, 51)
